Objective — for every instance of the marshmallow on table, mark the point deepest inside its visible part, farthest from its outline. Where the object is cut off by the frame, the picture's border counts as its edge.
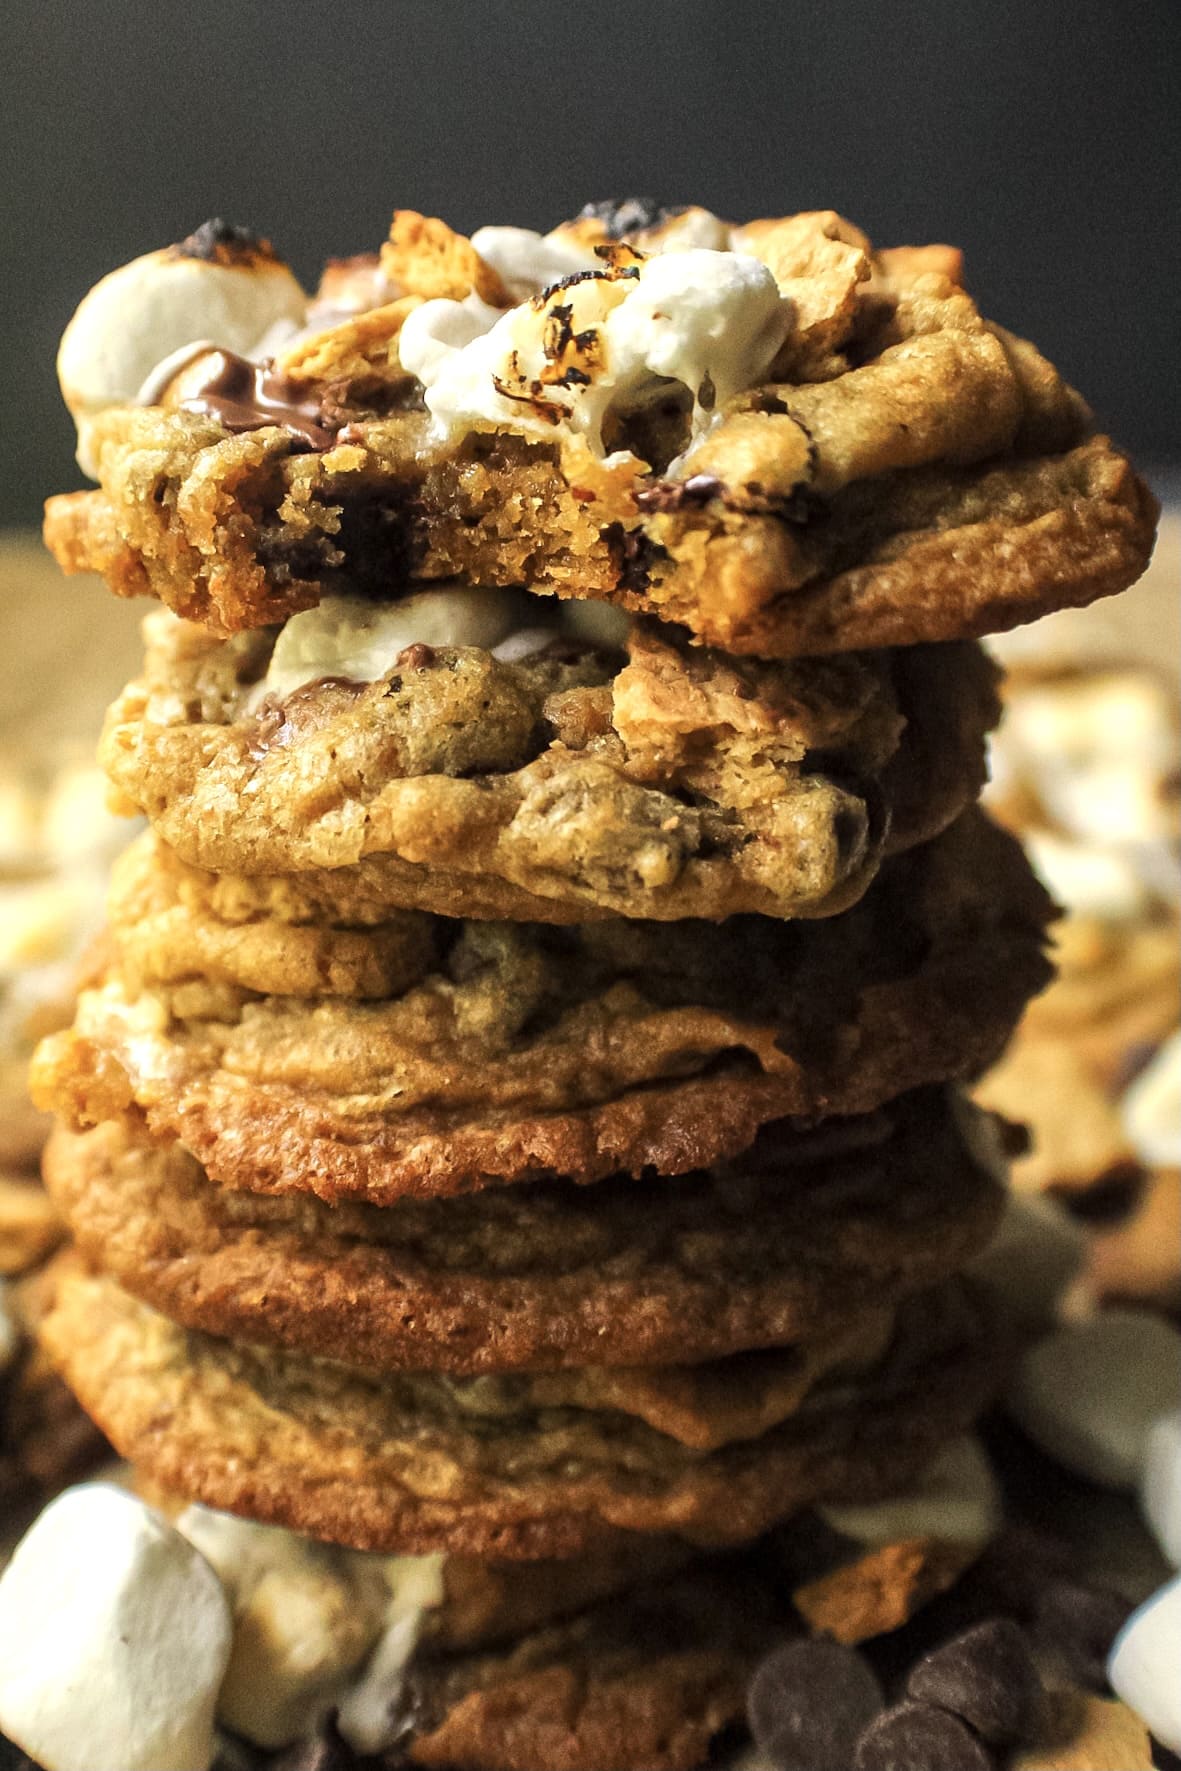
(114, 1637)
(1089, 1392)
(1145, 1664)
(1033, 1259)
(1160, 1485)
(956, 1500)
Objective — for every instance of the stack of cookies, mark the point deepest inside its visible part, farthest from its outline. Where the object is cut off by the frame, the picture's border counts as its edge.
(511, 1130)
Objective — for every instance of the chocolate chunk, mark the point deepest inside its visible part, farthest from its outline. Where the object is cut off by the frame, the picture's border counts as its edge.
(628, 215)
(988, 1677)
(808, 1702)
(220, 242)
(919, 1737)
(1077, 1624)
(243, 395)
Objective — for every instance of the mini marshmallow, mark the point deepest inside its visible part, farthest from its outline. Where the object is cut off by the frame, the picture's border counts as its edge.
(956, 1501)
(114, 1637)
(305, 1616)
(1160, 1485)
(160, 304)
(1035, 1256)
(1145, 1664)
(1151, 1108)
(1089, 1393)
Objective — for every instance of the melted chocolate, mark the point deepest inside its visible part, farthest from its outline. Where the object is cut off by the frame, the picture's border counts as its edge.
(243, 395)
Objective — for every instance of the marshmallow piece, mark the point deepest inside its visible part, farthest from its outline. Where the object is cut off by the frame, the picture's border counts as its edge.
(1033, 1259)
(114, 1636)
(957, 1500)
(527, 263)
(1160, 1484)
(368, 1716)
(10, 1334)
(1145, 1664)
(1151, 1109)
(357, 638)
(305, 1616)
(157, 305)
(1088, 1393)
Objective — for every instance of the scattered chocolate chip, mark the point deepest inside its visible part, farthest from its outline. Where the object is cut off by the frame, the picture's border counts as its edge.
(220, 242)
(808, 1702)
(1077, 1624)
(415, 657)
(919, 1737)
(632, 555)
(987, 1676)
(628, 215)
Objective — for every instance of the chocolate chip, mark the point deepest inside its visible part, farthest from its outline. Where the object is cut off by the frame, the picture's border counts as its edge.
(628, 215)
(986, 1676)
(919, 1737)
(1077, 1624)
(808, 1702)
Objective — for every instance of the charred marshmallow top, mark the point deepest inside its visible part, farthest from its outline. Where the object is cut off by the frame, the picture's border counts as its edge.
(604, 340)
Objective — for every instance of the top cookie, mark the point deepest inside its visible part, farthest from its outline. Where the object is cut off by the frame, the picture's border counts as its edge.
(771, 434)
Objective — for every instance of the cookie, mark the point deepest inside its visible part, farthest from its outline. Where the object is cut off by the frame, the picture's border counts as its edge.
(765, 1252)
(398, 1463)
(645, 1681)
(586, 1052)
(659, 782)
(824, 449)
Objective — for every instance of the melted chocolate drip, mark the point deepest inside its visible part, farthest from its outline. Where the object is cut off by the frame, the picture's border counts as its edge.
(243, 395)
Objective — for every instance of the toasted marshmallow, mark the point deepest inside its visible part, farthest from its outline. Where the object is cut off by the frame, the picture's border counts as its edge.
(709, 321)
(163, 303)
(114, 1636)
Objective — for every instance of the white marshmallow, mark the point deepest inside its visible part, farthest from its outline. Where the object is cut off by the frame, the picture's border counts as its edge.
(367, 1716)
(696, 317)
(305, 1617)
(1151, 1108)
(1160, 1484)
(1088, 1393)
(527, 262)
(957, 1500)
(1145, 1664)
(155, 306)
(114, 1636)
(357, 638)
(1031, 1262)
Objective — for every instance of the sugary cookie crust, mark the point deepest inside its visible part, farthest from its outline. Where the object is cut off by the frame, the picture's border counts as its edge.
(906, 472)
(669, 784)
(612, 1047)
(328, 1451)
(766, 1252)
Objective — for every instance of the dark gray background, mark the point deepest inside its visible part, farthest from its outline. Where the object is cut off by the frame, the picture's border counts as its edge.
(1042, 135)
